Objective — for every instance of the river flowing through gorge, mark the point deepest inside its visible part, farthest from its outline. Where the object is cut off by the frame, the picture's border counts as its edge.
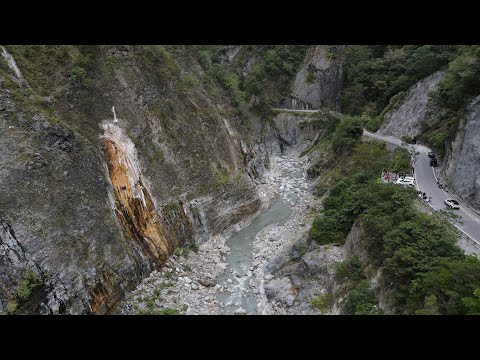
(228, 276)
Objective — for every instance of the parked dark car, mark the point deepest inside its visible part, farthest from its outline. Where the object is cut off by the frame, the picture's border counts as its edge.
(433, 162)
(431, 154)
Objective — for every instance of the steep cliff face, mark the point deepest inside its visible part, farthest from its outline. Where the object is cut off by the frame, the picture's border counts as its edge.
(407, 115)
(89, 207)
(294, 130)
(318, 83)
(461, 167)
(93, 210)
(133, 203)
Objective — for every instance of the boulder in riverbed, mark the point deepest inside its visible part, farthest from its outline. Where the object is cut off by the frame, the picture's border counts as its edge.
(281, 290)
(206, 282)
(240, 311)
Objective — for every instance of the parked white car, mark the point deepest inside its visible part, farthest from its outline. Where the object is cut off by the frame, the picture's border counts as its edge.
(408, 178)
(405, 182)
(452, 204)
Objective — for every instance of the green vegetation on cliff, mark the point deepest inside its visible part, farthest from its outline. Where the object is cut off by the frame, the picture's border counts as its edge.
(376, 78)
(422, 268)
(28, 283)
(342, 154)
(454, 93)
(257, 77)
(360, 298)
(416, 251)
(373, 74)
(271, 77)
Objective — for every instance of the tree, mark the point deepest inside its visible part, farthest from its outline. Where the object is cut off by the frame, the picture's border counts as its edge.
(473, 303)
(451, 282)
(360, 300)
(430, 308)
(346, 135)
(350, 269)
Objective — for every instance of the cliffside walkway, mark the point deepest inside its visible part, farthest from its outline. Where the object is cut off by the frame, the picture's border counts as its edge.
(298, 111)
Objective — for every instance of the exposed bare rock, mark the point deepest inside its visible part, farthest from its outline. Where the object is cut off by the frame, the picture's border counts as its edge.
(229, 53)
(206, 282)
(318, 83)
(240, 311)
(280, 290)
(409, 114)
(461, 168)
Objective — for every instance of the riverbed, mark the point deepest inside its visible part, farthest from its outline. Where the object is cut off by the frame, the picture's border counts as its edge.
(227, 277)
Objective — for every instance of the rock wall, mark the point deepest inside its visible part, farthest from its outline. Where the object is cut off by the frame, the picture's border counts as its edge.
(93, 213)
(302, 271)
(74, 208)
(132, 202)
(306, 270)
(287, 131)
(461, 166)
(407, 116)
(293, 129)
(318, 83)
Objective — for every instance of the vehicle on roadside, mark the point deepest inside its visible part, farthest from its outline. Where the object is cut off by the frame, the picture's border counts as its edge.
(431, 154)
(433, 162)
(408, 178)
(452, 204)
(405, 182)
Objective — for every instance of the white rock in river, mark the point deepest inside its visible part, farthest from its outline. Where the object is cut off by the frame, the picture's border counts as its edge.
(187, 279)
(240, 311)
(222, 266)
(229, 281)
